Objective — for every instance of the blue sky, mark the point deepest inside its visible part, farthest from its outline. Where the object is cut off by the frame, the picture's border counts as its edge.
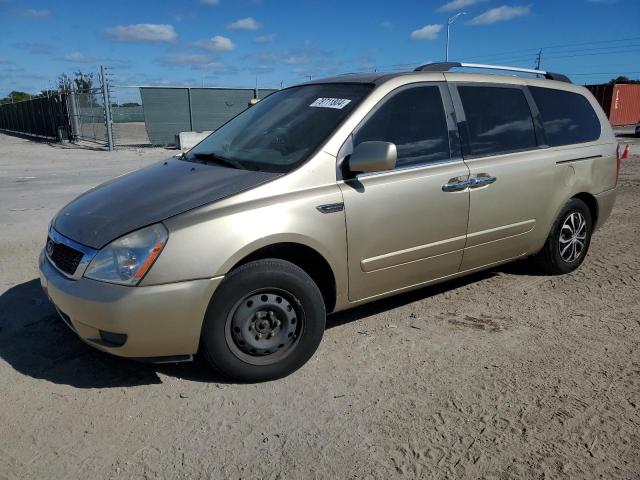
(231, 42)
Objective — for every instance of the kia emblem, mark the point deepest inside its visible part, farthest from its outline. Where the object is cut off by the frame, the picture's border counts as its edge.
(49, 247)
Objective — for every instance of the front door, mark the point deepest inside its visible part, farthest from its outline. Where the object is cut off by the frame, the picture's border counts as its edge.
(407, 226)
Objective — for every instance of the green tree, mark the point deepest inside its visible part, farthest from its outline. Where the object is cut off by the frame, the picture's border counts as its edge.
(622, 79)
(16, 96)
(83, 81)
(80, 81)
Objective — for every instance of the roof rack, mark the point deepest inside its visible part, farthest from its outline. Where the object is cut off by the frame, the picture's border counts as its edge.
(446, 66)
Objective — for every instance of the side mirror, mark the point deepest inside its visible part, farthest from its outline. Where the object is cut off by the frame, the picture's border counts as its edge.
(373, 157)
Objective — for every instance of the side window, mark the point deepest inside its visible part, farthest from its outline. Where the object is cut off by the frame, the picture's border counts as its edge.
(498, 120)
(568, 117)
(415, 121)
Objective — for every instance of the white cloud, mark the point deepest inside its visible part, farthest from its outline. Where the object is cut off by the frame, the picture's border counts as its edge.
(210, 2)
(295, 59)
(189, 59)
(428, 32)
(457, 5)
(500, 14)
(79, 57)
(386, 24)
(216, 44)
(266, 38)
(308, 54)
(198, 62)
(248, 23)
(142, 32)
(36, 14)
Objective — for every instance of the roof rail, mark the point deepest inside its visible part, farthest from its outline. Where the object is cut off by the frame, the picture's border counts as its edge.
(446, 66)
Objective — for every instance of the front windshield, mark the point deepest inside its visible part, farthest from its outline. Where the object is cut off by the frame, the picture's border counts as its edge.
(281, 131)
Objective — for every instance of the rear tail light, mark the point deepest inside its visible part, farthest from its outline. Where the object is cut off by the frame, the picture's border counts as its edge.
(618, 162)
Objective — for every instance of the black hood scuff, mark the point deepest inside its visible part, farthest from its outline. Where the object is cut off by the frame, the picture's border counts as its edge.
(148, 196)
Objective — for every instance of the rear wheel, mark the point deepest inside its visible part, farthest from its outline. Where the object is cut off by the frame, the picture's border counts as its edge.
(569, 240)
(265, 321)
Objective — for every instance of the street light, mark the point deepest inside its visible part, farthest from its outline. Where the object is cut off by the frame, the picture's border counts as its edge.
(449, 23)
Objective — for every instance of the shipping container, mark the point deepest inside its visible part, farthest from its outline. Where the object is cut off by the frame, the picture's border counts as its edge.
(625, 104)
(621, 102)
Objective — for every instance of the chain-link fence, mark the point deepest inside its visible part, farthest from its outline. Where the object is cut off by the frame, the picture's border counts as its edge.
(127, 116)
(87, 115)
(114, 115)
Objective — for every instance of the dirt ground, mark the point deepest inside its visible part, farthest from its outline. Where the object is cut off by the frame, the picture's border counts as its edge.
(500, 375)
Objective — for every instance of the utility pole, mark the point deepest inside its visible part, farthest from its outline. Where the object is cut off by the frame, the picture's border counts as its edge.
(539, 59)
(449, 23)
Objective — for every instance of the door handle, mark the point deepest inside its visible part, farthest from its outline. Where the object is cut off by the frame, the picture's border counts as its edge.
(455, 185)
(481, 180)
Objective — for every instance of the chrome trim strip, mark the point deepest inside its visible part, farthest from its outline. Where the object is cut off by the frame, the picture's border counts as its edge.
(458, 186)
(417, 166)
(481, 181)
(87, 254)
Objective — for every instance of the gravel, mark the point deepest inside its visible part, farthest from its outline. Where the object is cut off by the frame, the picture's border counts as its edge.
(503, 374)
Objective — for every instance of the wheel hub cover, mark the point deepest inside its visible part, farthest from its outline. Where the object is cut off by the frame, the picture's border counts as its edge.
(263, 324)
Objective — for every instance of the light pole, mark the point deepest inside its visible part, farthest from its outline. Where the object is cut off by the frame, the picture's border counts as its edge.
(449, 23)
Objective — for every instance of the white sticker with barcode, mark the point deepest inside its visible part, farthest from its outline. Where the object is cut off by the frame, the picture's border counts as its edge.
(338, 103)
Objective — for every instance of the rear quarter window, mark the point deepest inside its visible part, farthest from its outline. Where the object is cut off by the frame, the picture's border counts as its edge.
(568, 117)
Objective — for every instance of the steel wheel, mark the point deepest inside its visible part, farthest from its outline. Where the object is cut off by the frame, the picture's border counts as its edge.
(264, 326)
(573, 237)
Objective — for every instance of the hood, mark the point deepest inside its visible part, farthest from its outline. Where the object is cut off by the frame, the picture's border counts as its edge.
(148, 196)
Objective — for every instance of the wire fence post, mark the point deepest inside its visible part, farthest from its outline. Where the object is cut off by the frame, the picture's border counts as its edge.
(107, 107)
(72, 105)
(190, 110)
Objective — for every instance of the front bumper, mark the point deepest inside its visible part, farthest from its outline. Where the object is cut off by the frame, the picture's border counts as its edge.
(158, 320)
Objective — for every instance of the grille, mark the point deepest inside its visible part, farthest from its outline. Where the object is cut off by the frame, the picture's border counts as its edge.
(65, 258)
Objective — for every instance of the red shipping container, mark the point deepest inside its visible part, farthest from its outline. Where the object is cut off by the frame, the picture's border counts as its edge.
(625, 104)
(621, 102)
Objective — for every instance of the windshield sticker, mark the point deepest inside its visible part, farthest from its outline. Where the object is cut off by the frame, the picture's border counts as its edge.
(338, 103)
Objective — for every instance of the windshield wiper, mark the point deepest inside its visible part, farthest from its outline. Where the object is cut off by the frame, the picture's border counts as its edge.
(219, 159)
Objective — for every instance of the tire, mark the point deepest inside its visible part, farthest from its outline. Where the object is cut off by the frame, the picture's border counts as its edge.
(558, 256)
(265, 320)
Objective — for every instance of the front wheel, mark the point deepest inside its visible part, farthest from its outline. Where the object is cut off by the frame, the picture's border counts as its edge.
(264, 321)
(569, 239)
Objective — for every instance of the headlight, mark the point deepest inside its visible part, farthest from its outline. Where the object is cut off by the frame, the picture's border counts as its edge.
(127, 259)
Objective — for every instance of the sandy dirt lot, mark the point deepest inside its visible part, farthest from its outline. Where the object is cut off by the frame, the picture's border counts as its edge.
(501, 375)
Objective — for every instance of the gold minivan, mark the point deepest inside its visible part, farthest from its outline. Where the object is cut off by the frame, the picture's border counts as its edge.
(328, 195)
